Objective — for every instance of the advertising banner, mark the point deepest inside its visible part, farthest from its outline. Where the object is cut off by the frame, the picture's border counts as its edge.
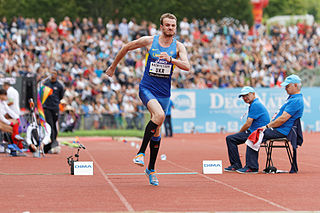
(221, 110)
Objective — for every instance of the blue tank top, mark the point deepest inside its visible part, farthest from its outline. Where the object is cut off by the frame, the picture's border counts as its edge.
(157, 73)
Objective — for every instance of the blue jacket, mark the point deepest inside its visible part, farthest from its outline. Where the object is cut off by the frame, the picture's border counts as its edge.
(295, 135)
(296, 138)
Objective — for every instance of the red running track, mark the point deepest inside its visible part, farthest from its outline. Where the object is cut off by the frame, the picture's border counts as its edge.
(45, 185)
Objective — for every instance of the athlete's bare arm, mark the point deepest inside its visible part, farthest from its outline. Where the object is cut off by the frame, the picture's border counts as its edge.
(182, 62)
(145, 41)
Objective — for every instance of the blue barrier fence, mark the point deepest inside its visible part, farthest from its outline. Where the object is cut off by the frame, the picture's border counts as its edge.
(220, 110)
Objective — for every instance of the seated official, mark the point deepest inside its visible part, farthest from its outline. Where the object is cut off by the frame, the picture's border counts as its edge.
(258, 116)
(281, 125)
(9, 119)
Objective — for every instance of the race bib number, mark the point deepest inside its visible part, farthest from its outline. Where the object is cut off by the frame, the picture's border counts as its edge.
(160, 70)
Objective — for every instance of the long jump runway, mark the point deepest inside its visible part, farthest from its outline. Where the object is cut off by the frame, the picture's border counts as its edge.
(45, 185)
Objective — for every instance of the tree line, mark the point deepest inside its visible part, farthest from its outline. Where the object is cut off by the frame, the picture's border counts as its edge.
(152, 9)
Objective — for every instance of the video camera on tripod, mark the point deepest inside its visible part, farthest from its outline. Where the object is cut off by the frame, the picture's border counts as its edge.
(79, 167)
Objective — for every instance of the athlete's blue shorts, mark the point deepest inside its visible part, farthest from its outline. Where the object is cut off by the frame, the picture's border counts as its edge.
(146, 95)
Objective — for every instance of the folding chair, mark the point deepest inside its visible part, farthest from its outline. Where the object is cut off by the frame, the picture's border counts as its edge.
(295, 137)
(277, 143)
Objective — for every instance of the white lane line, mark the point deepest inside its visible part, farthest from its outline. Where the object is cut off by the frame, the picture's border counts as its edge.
(234, 188)
(161, 173)
(121, 197)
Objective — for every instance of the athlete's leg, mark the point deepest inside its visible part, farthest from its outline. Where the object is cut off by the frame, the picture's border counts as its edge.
(157, 108)
(157, 118)
(155, 140)
(154, 149)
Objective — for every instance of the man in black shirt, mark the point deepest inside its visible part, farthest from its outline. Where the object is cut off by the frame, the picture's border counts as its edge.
(51, 110)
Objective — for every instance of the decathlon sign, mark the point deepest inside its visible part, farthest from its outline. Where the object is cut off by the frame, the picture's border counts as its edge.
(221, 110)
(83, 168)
(212, 167)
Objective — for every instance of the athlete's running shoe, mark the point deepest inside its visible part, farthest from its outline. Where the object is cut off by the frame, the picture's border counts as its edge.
(151, 174)
(139, 159)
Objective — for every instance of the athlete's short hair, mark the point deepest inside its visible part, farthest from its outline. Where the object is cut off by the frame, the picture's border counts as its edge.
(167, 15)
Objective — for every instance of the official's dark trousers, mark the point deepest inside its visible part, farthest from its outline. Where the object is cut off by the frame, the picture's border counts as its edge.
(252, 155)
(168, 126)
(232, 143)
(52, 118)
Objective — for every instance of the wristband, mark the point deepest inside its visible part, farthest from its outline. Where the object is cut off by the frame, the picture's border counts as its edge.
(170, 59)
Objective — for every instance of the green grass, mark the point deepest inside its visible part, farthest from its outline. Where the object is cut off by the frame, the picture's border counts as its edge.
(106, 132)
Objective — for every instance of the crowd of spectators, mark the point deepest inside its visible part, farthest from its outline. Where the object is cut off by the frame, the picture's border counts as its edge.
(223, 54)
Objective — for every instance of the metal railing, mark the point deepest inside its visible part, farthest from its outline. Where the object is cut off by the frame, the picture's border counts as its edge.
(104, 121)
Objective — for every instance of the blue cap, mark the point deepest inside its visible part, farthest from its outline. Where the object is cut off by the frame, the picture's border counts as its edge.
(246, 90)
(294, 79)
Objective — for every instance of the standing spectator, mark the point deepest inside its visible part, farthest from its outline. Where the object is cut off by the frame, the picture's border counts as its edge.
(167, 120)
(87, 111)
(14, 25)
(13, 98)
(5, 25)
(110, 28)
(65, 27)
(114, 111)
(84, 26)
(139, 118)
(133, 29)
(51, 26)
(100, 27)
(98, 111)
(124, 29)
(301, 28)
(51, 110)
(184, 27)
(21, 24)
(128, 112)
(40, 26)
